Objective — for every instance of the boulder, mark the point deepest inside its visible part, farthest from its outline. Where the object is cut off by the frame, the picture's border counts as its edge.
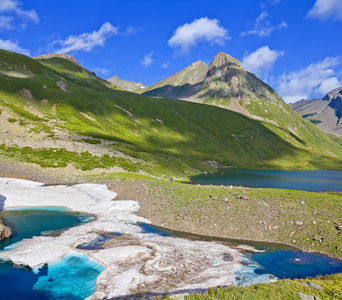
(5, 231)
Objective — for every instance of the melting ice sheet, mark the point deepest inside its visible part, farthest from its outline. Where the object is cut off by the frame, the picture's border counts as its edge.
(72, 277)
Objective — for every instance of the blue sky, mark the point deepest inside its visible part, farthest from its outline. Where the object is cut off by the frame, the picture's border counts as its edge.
(295, 46)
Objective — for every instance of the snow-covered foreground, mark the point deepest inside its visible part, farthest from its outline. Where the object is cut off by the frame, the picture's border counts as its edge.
(134, 262)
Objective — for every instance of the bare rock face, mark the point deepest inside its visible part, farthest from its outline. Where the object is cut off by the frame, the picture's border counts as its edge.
(335, 99)
(325, 112)
(5, 231)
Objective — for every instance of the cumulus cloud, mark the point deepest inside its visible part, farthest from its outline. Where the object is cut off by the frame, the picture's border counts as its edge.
(147, 60)
(262, 26)
(313, 81)
(13, 46)
(14, 7)
(326, 9)
(261, 61)
(200, 30)
(87, 41)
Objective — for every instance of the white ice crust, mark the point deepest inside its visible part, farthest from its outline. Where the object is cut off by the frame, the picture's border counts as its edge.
(138, 263)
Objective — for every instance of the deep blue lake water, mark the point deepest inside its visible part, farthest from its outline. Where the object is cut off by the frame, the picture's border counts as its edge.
(72, 277)
(313, 181)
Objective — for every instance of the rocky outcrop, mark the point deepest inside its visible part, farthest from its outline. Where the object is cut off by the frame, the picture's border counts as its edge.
(325, 112)
(5, 231)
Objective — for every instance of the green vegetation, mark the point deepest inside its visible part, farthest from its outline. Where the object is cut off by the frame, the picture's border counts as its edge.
(56, 158)
(162, 137)
(12, 120)
(335, 138)
(92, 141)
(282, 289)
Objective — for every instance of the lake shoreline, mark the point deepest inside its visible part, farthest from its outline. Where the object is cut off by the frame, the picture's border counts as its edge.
(152, 205)
(136, 262)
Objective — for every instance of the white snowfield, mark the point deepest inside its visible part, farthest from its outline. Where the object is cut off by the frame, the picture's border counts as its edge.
(137, 262)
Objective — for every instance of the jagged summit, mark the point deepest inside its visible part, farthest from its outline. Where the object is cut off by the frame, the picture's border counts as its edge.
(335, 94)
(59, 55)
(325, 112)
(222, 58)
(224, 83)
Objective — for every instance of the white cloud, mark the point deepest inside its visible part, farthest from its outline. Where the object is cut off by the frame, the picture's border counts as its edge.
(328, 85)
(8, 5)
(87, 41)
(102, 71)
(326, 9)
(261, 61)
(131, 30)
(147, 60)
(14, 6)
(13, 46)
(262, 26)
(165, 65)
(313, 81)
(5, 22)
(200, 30)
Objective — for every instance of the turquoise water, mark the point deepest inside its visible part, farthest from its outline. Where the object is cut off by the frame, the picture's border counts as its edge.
(26, 223)
(72, 277)
(313, 181)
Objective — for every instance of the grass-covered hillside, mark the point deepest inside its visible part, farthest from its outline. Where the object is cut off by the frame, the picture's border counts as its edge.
(55, 113)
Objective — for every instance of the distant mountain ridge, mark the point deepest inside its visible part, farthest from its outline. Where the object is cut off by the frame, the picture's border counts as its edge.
(56, 114)
(325, 112)
(59, 55)
(129, 86)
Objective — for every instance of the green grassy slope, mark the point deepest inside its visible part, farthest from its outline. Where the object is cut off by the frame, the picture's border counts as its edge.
(329, 288)
(161, 136)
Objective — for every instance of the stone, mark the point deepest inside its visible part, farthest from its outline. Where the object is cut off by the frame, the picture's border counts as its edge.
(5, 231)
(339, 227)
(299, 223)
(315, 285)
(307, 297)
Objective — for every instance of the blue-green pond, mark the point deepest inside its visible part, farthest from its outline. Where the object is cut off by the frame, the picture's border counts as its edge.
(72, 277)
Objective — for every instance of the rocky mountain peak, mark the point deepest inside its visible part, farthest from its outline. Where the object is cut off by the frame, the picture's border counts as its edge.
(334, 94)
(60, 55)
(335, 102)
(224, 59)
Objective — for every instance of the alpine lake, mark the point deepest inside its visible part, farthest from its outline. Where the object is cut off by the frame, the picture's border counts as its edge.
(74, 276)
